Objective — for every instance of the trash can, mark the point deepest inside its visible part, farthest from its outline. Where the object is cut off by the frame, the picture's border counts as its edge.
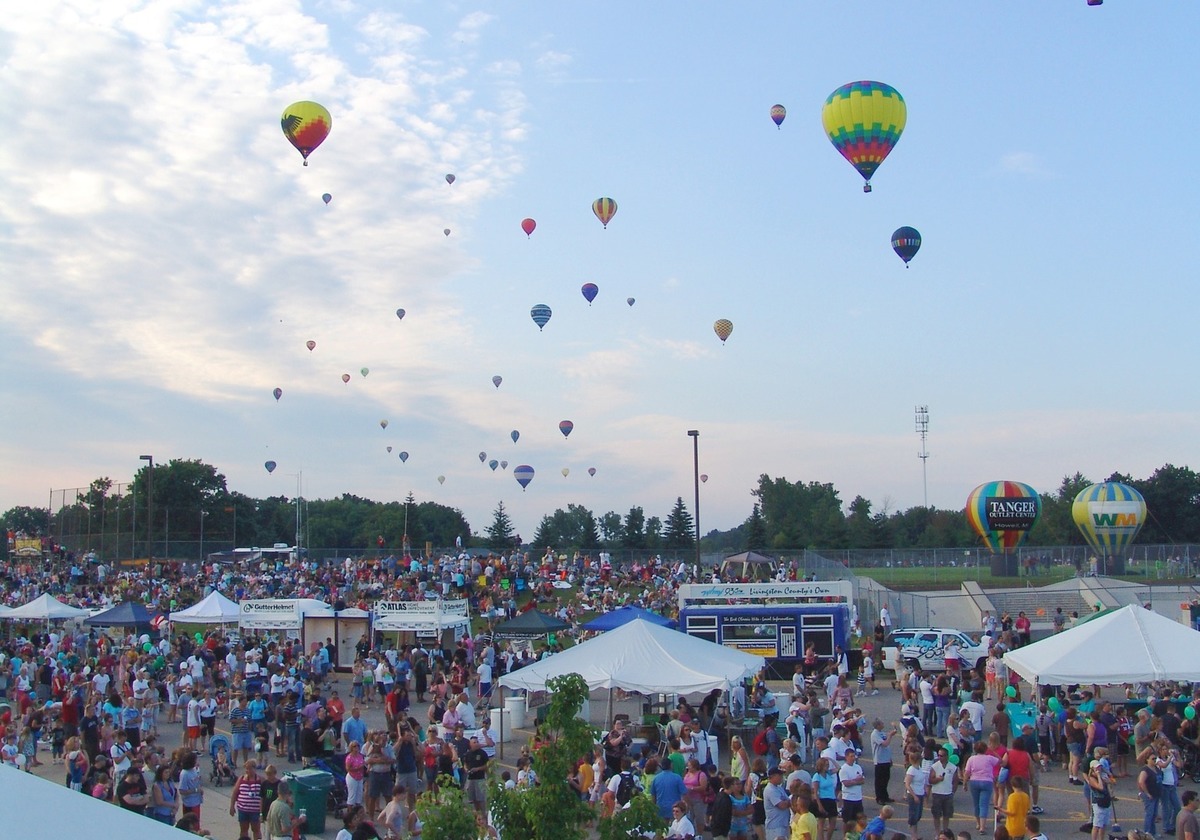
(311, 791)
(516, 707)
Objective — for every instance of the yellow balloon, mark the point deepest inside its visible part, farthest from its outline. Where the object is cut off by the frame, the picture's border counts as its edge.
(864, 121)
(306, 125)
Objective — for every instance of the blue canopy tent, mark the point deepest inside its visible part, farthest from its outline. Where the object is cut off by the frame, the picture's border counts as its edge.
(624, 615)
(128, 614)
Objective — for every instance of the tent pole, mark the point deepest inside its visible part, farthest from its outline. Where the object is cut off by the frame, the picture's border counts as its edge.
(500, 746)
(609, 721)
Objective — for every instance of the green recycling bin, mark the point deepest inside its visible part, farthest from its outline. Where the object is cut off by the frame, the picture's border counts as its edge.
(311, 791)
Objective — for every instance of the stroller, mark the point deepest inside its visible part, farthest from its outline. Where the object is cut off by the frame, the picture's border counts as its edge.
(334, 765)
(222, 769)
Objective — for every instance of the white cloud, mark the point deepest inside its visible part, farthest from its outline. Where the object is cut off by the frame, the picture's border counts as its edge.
(1024, 163)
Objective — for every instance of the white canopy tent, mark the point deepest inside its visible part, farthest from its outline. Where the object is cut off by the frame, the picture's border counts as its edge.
(1128, 645)
(46, 608)
(643, 657)
(61, 812)
(214, 609)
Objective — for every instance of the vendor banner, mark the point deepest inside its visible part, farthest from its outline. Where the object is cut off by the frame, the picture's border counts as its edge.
(269, 614)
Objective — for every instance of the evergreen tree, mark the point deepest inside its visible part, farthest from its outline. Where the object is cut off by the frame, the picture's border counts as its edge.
(756, 530)
(500, 532)
(679, 527)
(635, 529)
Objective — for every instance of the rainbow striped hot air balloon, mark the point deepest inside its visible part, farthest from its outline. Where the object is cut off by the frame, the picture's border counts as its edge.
(1002, 513)
(1109, 515)
(864, 121)
(605, 209)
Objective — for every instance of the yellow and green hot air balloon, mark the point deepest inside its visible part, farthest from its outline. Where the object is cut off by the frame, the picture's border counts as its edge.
(864, 121)
(306, 125)
(1109, 515)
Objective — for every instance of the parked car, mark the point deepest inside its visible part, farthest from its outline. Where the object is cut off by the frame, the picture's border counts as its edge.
(925, 648)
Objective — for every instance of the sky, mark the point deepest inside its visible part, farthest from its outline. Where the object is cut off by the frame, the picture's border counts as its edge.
(164, 255)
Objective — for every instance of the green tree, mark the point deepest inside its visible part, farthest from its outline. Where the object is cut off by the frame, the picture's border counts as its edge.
(1056, 525)
(635, 529)
(612, 530)
(551, 810)
(756, 530)
(654, 533)
(1172, 505)
(679, 532)
(446, 814)
(801, 515)
(500, 533)
(863, 530)
(31, 520)
(572, 528)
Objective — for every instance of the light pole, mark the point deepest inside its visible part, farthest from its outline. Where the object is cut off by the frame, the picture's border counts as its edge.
(922, 420)
(203, 514)
(150, 504)
(694, 434)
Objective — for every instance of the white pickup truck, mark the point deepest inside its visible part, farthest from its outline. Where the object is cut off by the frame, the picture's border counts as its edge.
(925, 647)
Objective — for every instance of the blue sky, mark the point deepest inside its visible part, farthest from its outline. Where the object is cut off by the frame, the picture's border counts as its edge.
(164, 256)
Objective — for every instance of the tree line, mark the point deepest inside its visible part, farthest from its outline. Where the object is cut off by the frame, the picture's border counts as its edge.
(190, 495)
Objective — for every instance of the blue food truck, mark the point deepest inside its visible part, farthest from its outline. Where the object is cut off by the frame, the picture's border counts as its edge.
(773, 620)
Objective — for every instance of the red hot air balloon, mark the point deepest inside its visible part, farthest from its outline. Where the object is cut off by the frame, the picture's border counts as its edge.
(278, 392)
(528, 225)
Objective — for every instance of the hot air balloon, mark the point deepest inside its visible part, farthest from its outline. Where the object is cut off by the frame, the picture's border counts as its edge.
(523, 474)
(906, 241)
(270, 465)
(864, 121)
(496, 380)
(528, 226)
(631, 301)
(504, 465)
(389, 449)
(383, 424)
(778, 112)
(590, 290)
(400, 313)
(704, 478)
(327, 198)
(403, 457)
(514, 434)
(441, 479)
(446, 231)
(605, 209)
(1109, 515)
(565, 427)
(493, 464)
(540, 315)
(482, 457)
(1095, 2)
(723, 327)
(345, 377)
(364, 371)
(311, 345)
(306, 125)
(566, 471)
(1001, 513)
(449, 179)
(591, 471)
(278, 392)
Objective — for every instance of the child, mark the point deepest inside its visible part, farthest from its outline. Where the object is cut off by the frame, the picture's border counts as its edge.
(1033, 828)
(102, 789)
(262, 739)
(854, 829)
(221, 766)
(58, 739)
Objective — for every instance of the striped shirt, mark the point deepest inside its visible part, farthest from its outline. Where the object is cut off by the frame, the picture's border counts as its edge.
(249, 796)
(239, 720)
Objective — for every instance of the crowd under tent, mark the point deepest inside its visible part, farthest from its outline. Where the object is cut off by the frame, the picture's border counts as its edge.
(432, 623)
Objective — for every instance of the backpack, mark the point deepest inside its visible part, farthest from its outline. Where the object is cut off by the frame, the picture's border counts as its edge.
(760, 745)
(626, 788)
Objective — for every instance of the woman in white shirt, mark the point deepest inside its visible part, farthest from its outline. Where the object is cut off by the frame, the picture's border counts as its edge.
(681, 826)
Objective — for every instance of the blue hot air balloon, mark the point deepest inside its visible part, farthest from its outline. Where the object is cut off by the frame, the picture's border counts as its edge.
(514, 434)
(523, 474)
(327, 198)
(590, 290)
(496, 380)
(493, 464)
(270, 465)
(565, 427)
(403, 456)
(540, 315)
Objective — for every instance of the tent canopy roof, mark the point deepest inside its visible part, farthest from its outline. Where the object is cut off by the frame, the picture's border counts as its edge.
(45, 608)
(645, 657)
(530, 625)
(1126, 645)
(214, 609)
(624, 615)
(128, 614)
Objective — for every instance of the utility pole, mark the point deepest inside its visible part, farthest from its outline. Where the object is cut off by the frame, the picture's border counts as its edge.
(922, 420)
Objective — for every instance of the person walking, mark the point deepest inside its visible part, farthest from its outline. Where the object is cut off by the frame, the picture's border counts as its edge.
(245, 801)
(978, 776)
